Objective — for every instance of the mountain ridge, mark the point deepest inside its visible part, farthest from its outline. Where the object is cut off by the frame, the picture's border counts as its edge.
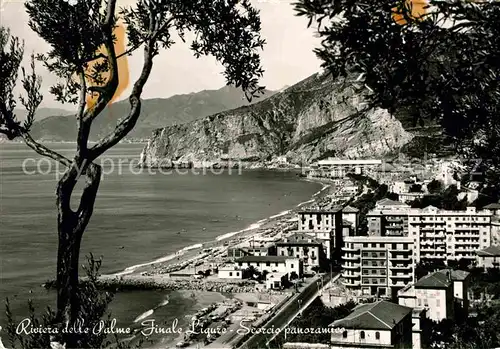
(315, 118)
(156, 112)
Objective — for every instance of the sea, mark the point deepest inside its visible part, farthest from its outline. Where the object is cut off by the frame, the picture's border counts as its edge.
(140, 215)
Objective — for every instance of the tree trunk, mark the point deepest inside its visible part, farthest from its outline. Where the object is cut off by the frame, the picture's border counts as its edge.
(71, 225)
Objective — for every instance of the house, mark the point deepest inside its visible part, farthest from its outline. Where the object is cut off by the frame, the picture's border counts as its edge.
(388, 204)
(252, 248)
(493, 208)
(351, 214)
(304, 247)
(409, 197)
(433, 292)
(374, 325)
(276, 280)
(271, 264)
(488, 257)
(418, 315)
(461, 282)
(230, 271)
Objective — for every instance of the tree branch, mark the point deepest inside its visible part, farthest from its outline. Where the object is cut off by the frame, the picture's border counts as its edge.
(127, 124)
(44, 151)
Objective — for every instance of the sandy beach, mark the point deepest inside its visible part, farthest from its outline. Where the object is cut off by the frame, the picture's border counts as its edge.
(191, 255)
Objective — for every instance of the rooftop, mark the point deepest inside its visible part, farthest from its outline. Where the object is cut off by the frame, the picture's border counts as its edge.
(350, 209)
(389, 202)
(299, 239)
(316, 211)
(493, 206)
(456, 275)
(438, 279)
(381, 315)
(278, 259)
(489, 251)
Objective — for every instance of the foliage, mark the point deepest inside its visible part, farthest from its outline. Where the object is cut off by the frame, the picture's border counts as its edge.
(440, 65)
(416, 188)
(93, 307)
(81, 37)
(435, 186)
(481, 331)
(447, 200)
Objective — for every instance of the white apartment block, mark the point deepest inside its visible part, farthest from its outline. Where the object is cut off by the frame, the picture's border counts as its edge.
(326, 226)
(448, 235)
(339, 168)
(377, 265)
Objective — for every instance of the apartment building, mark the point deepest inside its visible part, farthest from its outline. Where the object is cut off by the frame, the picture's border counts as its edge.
(377, 265)
(339, 168)
(374, 325)
(436, 233)
(448, 235)
(304, 247)
(326, 226)
(387, 222)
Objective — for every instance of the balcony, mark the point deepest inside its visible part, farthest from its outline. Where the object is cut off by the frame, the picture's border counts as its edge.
(351, 283)
(401, 267)
(373, 266)
(351, 275)
(401, 276)
(370, 256)
(350, 266)
(371, 283)
(351, 257)
(398, 284)
(350, 249)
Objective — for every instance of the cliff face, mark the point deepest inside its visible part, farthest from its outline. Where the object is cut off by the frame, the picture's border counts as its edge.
(313, 119)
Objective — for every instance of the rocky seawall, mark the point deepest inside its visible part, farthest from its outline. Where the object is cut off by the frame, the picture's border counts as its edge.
(314, 119)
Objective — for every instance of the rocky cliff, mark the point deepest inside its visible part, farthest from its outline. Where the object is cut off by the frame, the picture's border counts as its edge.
(316, 118)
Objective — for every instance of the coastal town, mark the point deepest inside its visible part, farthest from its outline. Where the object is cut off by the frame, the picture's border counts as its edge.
(340, 249)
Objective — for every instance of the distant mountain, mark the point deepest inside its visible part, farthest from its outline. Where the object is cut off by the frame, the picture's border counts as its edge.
(41, 113)
(155, 113)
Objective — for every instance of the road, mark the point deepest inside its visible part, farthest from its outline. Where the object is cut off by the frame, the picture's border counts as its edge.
(286, 314)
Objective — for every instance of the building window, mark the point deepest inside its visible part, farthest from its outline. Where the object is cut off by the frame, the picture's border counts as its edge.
(362, 335)
(237, 273)
(377, 335)
(344, 334)
(291, 265)
(230, 273)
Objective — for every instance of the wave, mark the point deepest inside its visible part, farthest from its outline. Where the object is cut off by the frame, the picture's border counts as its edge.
(233, 233)
(144, 315)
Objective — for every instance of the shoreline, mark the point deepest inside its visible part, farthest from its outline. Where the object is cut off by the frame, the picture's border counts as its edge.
(189, 253)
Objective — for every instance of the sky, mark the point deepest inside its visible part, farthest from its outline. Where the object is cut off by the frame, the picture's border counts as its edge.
(287, 57)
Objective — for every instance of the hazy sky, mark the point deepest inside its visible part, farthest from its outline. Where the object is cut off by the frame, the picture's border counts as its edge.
(287, 58)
